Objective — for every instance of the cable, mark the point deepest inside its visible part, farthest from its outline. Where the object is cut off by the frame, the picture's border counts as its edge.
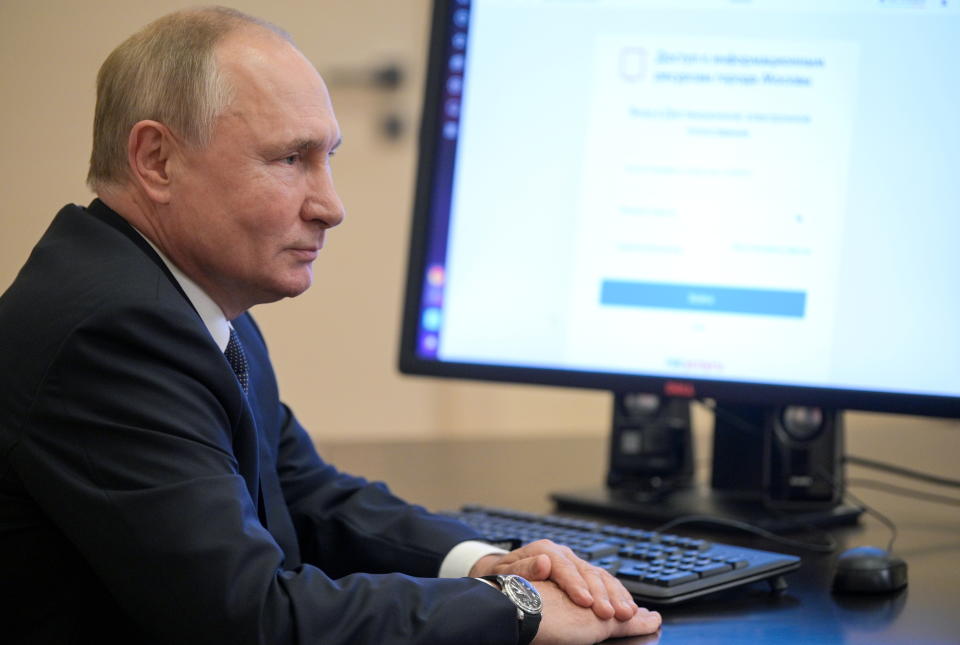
(906, 492)
(828, 546)
(880, 516)
(899, 470)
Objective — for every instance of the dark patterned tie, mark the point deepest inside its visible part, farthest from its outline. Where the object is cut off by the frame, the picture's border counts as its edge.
(237, 359)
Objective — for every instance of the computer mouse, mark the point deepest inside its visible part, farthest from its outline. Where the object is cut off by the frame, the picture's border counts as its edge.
(868, 569)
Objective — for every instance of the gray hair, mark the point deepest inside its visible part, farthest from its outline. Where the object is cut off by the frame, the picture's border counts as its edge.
(165, 72)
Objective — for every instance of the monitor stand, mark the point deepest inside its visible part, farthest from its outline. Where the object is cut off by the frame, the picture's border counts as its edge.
(777, 468)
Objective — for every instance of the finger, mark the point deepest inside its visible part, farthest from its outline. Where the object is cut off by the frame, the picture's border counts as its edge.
(608, 593)
(537, 567)
(602, 605)
(627, 607)
(567, 570)
(643, 622)
(623, 604)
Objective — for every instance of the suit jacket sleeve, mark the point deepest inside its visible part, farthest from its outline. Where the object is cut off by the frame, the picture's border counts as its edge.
(129, 448)
(343, 524)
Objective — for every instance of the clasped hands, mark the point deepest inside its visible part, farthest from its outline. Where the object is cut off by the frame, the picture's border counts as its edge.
(582, 602)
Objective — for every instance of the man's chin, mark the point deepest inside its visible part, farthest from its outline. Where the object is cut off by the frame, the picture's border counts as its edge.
(289, 287)
(296, 286)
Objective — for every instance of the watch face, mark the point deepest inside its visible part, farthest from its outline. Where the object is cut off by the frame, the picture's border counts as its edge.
(523, 594)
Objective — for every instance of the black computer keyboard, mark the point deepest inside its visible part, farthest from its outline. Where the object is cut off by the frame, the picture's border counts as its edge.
(657, 568)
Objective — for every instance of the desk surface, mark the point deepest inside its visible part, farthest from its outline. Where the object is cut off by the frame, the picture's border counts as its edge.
(521, 473)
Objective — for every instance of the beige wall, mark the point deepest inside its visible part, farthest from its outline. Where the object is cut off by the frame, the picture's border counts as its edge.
(334, 347)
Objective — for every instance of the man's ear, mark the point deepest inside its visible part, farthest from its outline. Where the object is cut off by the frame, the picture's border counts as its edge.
(149, 149)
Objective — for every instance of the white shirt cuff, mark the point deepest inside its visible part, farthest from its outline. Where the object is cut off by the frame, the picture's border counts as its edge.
(462, 557)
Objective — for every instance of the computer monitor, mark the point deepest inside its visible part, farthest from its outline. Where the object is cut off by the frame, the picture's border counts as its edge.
(754, 202)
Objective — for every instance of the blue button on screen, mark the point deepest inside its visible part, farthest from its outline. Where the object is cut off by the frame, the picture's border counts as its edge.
(688, 297)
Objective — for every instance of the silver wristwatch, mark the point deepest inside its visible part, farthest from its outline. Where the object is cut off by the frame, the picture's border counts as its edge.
(527, 599)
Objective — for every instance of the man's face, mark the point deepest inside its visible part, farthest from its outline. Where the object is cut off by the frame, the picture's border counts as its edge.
(248, 212)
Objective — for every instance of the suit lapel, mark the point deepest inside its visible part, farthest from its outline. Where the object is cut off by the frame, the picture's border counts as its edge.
(246, 443)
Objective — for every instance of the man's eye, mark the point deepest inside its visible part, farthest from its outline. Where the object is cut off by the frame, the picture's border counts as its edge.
(291, 160)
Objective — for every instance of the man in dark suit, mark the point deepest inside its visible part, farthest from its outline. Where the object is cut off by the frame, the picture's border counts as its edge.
(153, 488)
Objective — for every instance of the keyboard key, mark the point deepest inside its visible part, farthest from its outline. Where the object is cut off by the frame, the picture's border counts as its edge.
(651, 576)
(675, 578)
(596, 551)
(693, 544)
(707, 570)
(631, 573)
(612, 539)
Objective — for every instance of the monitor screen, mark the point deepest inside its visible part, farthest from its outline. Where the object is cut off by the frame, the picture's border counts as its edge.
(747, 200)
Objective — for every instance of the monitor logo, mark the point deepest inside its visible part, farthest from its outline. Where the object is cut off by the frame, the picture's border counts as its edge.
(680, 389)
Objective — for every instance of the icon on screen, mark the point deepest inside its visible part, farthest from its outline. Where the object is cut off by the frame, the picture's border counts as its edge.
(450, 130)
(460, 17)
(452, 108)
(456, 63)
(435, 275)
(454, 85)
(428, 344)
(633, 64)
(459, 41)
(430, 320)
(433, 296)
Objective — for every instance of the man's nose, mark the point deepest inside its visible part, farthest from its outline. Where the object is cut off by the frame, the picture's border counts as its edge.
(322, 203)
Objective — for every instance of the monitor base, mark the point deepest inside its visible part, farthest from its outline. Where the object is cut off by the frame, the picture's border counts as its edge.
(661, 507)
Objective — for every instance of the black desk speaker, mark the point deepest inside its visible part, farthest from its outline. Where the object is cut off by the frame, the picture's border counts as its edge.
(651, 446)
(804, 457)
(791, 456)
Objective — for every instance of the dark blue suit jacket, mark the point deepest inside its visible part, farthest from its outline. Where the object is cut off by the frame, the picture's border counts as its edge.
(145, 499)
